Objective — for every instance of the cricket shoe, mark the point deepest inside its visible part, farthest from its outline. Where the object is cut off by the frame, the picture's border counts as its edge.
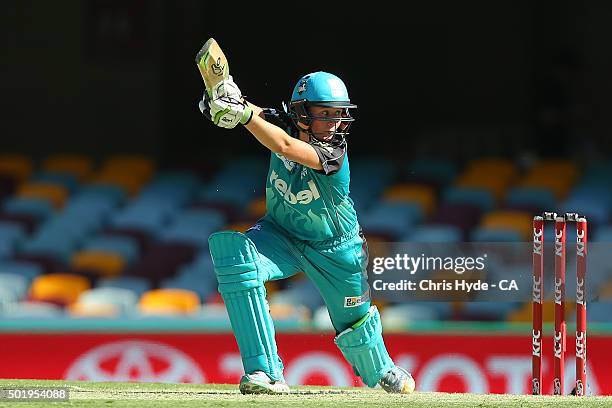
(397, 381)
(258, 382)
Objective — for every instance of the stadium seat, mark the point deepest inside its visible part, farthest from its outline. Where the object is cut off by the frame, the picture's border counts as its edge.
(509, 220)
(26, 269)
(8, 298)
(139, 165)
(193, 226)
(169, 301)
(16, 166)
(603, 234)
(321, 319)
(596, 210)
(67, 181)
(33, 309)
(18, 284)
(92, 310)
(502, 168)
(484, 234)
(422, 195)
(371, 176)
(478, 197)
(106, 195)
(432, 233)
(49, 245)
(61, 288)
(442, 172)
(56, 194)
(129, 182)
(134, 284)
(392, 218)
(126, 247)
(38, 208)
(257, 207)
(461, 215)
(123, 300)
(600, 312)
(237, 183)
(162, 260)
(108, 264)
(79, 166)
(191, 282)
(541, 199)
(556, 175)
(12, 235)
(147, 217)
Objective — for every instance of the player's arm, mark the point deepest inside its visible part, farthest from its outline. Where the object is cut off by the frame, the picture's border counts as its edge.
(278, 141)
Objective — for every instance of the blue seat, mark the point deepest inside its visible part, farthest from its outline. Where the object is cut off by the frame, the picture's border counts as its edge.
(392, 218)
(37, 207)
(126, 247)
(481, 234)
(441, 171)
(70, 226)
(59, 248)
(68, 181)
(193, 226)
(166, 193)
(370, 178)
(603, 234)
(16, 283)
(435, 233)
(594, 208)
(540, 198)
(95, 206)
(183, 178)
(26, 309)
(136, 284)
(480, 198)
(600, 312)
(375, 168)
(597, 173)
(110, 193)
(28, 270)
(238, 182)
(146, 216)
(12, 235)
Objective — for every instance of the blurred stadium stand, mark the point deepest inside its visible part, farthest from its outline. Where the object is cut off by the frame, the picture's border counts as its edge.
(123, 238)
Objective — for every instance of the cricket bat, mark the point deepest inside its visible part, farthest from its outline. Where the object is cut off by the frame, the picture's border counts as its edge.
(212, 64)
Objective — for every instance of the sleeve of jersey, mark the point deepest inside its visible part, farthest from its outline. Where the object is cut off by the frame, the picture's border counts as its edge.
(331, 157)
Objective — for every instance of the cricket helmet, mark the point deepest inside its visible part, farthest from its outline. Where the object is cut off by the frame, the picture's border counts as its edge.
(320, 89)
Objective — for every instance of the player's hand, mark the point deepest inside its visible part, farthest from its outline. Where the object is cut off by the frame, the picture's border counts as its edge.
(228, 107)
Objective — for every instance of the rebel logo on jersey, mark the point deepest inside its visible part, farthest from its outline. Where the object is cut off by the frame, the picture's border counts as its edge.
(301, 197)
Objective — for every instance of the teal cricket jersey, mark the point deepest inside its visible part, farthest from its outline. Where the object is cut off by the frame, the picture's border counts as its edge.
(312, 205)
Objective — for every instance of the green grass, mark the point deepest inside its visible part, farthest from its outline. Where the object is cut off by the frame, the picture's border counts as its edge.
(93, 394)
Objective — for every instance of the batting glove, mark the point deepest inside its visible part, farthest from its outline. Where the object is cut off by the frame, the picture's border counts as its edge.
(228, 107)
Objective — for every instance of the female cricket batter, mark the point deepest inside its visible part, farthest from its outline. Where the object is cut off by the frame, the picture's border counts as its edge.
(310, 226)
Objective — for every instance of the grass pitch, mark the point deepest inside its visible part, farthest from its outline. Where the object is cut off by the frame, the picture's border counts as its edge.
(95, 394)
